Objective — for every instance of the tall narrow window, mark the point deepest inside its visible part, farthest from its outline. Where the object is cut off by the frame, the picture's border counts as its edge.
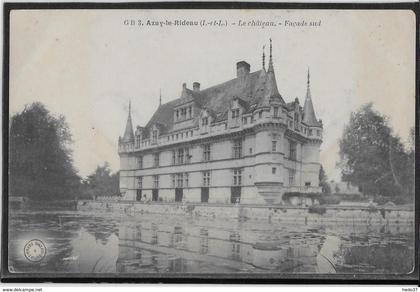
(276, 111)
(154, 136)
(156, 159)
(296, 121)
(292, 174)
(237, 148)
(186, 177)
(206, 152)
(237, 177)
(140, 162)
(179, 180)
(173, 157)
(139, 182)
(292, 150)
(181, 156)
(206, 178)
(274, 146)
(173, 179)
(156, 181)
(187, 155)
(138, 140)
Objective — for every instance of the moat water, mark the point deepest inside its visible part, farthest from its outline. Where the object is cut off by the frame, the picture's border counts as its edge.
(82, 242)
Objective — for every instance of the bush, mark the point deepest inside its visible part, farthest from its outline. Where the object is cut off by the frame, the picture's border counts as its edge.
(329, 200)
(316, 209)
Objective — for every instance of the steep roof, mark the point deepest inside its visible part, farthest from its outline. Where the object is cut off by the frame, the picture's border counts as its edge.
(128, 133)
(250, 90)
(309, 116)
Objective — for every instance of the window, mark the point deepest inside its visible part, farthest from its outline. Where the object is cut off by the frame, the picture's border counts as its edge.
(292, 173)
(235, 113)
(173, 179)
(206, 178)
(276, 111)
(245, 121)
(190, 112)
(273, 146)
(310, 132)
(296, 121)
(179, 180)
(177, 115)
(206, 152)
(139, 182)
(318, 133)
(156, 159)
(156, 181)
(260, 114)
(205, 121)
(187, 155)
(273, 170)
(138, 141)
(292, 150)
(155, 134)
(237, 148)
(237, 177)
(250, 150)
(173, 157)
(181, 156)
(140, 162)
(186, 178)
(307, 184)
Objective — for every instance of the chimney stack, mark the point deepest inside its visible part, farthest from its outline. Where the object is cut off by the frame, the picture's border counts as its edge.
(242, 69)
(196, 86)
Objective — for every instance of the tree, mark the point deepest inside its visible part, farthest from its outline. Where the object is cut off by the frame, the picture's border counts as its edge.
(101, 183)
(41, 165)
(323, 181)
(372, 157)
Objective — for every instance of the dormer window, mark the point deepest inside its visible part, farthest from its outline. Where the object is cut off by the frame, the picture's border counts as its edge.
(235, 113)
(138, 141)
(205, 121)
(154, 136)
(296, 121)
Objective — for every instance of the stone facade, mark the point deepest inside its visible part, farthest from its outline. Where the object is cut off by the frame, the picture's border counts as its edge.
(237, 142)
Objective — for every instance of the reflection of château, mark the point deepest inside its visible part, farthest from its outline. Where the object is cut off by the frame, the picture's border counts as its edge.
(147, 247)
(238, 141)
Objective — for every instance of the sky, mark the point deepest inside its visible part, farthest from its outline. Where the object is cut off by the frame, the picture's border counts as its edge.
(87, 65)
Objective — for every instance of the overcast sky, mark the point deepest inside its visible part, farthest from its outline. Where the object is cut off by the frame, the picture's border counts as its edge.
(86, 65)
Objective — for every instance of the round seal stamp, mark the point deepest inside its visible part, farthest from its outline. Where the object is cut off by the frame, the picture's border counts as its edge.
(35, 250)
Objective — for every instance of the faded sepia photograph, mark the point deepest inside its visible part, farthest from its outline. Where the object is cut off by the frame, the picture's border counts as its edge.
(240, 143)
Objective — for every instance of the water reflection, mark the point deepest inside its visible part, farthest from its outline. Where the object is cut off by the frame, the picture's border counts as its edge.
(80, 242)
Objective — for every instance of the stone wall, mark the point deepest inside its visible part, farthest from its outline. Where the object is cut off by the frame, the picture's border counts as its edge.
(290, 214)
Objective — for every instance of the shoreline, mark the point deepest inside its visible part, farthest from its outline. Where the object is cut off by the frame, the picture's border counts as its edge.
(269, 213)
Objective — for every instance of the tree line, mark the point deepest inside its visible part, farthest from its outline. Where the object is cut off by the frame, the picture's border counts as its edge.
(41, 164)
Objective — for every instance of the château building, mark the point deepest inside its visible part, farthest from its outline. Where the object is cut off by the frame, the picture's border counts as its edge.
(236, 142)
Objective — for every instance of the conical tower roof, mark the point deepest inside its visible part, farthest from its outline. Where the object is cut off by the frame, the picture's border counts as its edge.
(129, 133)
(271, 91)
(309, 116)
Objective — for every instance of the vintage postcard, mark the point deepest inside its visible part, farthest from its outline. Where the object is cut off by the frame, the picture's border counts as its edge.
(258, 144)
